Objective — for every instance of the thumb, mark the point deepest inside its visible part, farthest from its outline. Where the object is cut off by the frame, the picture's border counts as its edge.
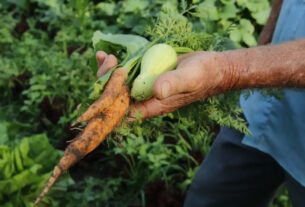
(173, 82)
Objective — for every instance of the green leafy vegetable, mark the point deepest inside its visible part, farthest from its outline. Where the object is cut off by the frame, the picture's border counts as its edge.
(45, 47)
(24, 169)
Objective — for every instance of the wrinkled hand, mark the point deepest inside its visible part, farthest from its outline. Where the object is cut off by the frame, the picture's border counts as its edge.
(198, 75)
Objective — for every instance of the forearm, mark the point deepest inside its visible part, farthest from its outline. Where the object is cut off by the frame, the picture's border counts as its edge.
(281, 65)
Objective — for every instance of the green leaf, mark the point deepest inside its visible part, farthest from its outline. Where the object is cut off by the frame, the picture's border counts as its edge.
(208, 10)
(25, 168)
(10, 130)
(134, 6)
(227, 1)
(249, 39)
(111, 44)
(99, 85)
(106, 8)
(170, 5)
(132, 43)
(246, 25)
(259, 9)
(244, 32)
(235, 35)
(261, 16)
(228, 11)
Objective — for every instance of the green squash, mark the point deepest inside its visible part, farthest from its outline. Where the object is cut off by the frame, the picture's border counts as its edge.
(157, 60)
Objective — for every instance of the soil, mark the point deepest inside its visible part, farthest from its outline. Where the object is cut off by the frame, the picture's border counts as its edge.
(158, 195)
(53, 110)
(22, 26)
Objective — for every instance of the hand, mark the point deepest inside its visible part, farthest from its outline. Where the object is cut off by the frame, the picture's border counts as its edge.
(198, 75)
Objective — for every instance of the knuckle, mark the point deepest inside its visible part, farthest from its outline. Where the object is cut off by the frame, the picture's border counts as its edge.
(112, 59)
(101, 53)
(100, 56)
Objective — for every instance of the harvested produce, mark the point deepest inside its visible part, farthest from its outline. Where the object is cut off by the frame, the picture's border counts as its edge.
(157, 60)
(111, 92)
(96, 130)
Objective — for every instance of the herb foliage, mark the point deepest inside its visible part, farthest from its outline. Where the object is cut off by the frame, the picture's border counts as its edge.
(45, 72)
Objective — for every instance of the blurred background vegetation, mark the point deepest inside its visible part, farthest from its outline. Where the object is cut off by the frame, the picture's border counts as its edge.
(45, 48)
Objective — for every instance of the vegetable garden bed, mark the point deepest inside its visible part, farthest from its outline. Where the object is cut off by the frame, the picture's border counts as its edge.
(47, 68)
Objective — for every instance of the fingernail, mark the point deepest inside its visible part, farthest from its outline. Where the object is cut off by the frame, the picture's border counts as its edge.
(100, 73)
(165, 89)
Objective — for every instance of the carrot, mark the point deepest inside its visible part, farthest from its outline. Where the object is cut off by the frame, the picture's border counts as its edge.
(111, 92)
(94, 133)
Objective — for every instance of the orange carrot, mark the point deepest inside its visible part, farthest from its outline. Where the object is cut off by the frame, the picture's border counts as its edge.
(111, 92)
(94, 133)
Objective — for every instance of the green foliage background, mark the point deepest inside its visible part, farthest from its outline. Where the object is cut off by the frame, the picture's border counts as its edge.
(45, 48)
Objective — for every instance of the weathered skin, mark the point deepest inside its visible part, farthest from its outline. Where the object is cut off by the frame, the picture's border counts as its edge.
(281, 65)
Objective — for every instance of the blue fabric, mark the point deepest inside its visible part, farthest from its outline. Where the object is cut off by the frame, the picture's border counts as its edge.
(278, 127)
(235, 175)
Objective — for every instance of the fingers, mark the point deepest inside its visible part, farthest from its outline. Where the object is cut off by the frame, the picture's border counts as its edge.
(184, 56)
(147, 109)
(100, 57)
(105, 62)
(175, 82)
(155, 107)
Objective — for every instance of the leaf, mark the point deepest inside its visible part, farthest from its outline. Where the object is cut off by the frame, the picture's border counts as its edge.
(208, 10)
(235, 35)
(112, 43)
(106, 8)
(261, 16)
(227, 1)
(38, 87)
(244, 32)
(249, 39)
(9, 131)
(228, 11)
(99, 85)
(259, 9)
(170, 5)
(131, 43)
(41, 150)
(131, 63)
(25, 168)
(134, 6)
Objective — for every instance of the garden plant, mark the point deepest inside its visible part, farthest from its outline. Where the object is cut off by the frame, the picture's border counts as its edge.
(48, 80)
